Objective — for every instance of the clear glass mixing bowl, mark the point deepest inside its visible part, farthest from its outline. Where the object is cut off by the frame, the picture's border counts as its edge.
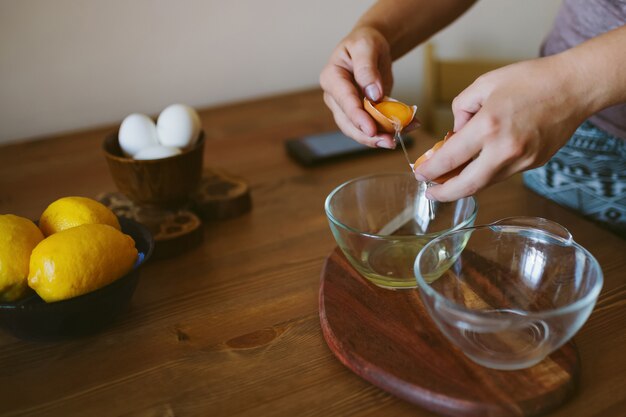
(381, 222)
(508, 293)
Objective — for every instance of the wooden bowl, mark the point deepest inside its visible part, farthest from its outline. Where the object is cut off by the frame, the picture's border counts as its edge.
(166, 182)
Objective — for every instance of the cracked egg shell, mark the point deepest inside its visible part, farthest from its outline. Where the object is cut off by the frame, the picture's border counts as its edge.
(390, 114)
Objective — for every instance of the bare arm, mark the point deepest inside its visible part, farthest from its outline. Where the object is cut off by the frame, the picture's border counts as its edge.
(599, 66)
(407, 23)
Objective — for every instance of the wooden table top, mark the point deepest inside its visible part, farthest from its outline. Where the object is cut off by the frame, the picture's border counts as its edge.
(232, 328)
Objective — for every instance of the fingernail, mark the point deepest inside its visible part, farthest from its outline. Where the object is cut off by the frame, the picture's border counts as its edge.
(372, 92)
(384, 144)
(430, 196)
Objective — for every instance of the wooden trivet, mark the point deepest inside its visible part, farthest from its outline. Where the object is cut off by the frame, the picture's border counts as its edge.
(175, 231)
(221, 196)
(387, 338)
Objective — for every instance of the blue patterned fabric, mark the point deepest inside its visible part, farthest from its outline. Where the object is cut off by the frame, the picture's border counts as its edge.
(588, 175)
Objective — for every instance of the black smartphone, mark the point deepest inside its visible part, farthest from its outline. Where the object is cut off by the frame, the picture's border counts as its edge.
(327, 147)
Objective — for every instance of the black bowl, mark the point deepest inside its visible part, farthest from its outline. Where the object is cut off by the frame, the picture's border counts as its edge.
(34, 319)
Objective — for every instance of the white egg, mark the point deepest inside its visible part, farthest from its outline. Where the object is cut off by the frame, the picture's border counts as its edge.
(137, 131)
(178, 125)
(157, 152)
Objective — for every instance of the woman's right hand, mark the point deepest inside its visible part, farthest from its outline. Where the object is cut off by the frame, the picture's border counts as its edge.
(359, 66)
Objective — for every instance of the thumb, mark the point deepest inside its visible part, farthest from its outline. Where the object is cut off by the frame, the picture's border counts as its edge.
(366, 73)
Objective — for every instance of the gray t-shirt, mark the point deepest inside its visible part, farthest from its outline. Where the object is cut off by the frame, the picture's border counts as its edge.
(578, 21)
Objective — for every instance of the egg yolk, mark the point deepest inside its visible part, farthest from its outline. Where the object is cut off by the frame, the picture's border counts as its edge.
(395, 111)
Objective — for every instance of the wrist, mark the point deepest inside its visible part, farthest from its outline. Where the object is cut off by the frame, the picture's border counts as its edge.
(370, 32)
(595, 70)
(580, 95)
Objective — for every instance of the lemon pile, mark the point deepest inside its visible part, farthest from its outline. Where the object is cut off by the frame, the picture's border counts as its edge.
(77, 248)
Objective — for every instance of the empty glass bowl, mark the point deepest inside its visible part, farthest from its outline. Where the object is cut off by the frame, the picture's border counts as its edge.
(382, 221)
(510, 293)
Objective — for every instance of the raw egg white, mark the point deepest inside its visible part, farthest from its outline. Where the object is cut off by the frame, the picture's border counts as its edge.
(157, 152)
(178, 125)
(137, 132)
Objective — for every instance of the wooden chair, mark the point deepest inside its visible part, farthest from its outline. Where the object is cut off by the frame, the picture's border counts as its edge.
(443, 81)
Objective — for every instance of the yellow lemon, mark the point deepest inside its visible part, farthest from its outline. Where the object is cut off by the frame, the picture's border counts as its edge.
(18, 237)
(80, 260)
(69, 212)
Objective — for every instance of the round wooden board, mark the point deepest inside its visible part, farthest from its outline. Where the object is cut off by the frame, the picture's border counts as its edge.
(221, 195)
(175, 231)
(387, 338)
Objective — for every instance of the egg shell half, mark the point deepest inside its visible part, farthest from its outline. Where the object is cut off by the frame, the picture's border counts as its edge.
(384, 123)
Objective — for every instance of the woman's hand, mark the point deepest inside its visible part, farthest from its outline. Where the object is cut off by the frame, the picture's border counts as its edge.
(509, 120)
(360, 65)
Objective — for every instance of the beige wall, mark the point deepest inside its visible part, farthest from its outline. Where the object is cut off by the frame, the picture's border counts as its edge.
(73, 64)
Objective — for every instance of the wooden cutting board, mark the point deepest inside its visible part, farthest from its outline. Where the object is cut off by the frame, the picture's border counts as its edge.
(387, 338)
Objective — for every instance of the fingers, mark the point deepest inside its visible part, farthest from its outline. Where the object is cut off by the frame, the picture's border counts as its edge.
(466, 105)
(460, 148)
(474, 177)
(345, 124)
(505, 122)
(337, 83)
(365, 66)
(360, 65)
(467, 142)
(496, 161)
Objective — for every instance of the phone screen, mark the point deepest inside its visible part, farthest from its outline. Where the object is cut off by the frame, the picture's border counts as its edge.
(331, 144)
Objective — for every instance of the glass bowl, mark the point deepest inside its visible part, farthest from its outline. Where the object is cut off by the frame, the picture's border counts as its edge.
(382, 221)
(32, 318)
(509, 293)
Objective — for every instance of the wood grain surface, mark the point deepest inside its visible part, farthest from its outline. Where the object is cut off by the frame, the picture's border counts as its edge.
(388, 338)
(231, 328)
